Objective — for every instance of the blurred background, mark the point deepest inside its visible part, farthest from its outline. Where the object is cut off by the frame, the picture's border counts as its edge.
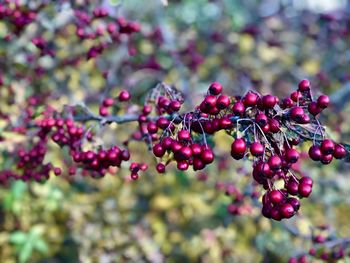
(268, 46)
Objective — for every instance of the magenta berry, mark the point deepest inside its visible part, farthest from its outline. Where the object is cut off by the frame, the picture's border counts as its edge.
(215, 88)
(323, 101)
(304, 85)
(256, 149)
(124, 95)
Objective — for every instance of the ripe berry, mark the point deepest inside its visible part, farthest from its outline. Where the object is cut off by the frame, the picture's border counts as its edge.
(275, 196)
(297, 113)
(339, 151)
(163, 123)
(107, 102)
(261, 119)
(292, 155)
(196, 149)
(175, 105)
(323, 101)
(296, 96)
(223, 102)
(210, 101)
(274, 125)
(185, 152)
(315, 153)
(304, 190)
(182, 165)
(160, 168)
(57, 171)
(286, 210)
(103, 111)
(327, 146)
(326, 158)
(250, 99)
(215, 88)
(158, 150)
(269, 101)
(313, 108)
(238, 147)
(306, 180)
(304, 85)
(292, 187)
(198, 164)
(184, 135)
(238, 108)
(294, 202)
(152, 127)
(287, 103)
(124, 95)
(207, 156)
(275, 162)
(257, 149)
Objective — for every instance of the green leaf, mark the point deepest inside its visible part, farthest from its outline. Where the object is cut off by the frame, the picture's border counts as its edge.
(18, 237)
(41, 246)
(25, 252)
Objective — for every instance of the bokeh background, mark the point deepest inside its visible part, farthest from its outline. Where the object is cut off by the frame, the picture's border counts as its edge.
(266, 46)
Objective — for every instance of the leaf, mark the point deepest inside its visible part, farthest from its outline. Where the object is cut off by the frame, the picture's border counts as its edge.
(25, 252)
(18, 237)
(41, 246)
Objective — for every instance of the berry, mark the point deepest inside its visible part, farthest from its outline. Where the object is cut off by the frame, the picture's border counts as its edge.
(238, 108)
(261, 119)
(315, 153)
(327, 146)
(160, 168)
(304, 190)
(222, 102)
(275, 162)
(292, 155)
(286, 210)
(296, 113)
(250, 99)
(207, 156)
(304, 85)
(313, 108)
(294, 202)
(215, 88)
(124, 95)
(339, 151)
(269, 101)
(238, 148)
(182, 165)
(107, 102)
(323, 101)
(57, 171)
(257, 149)
(275, 196)
(158, 150)
(184, 135)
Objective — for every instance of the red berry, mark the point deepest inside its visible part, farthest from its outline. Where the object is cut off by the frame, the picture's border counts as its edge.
(257, 149)
(339, 151)
(207, 156)
(182, 165)
(287, 103)
(57, 171)
(269, 101)
(238, 108)
(210, 101)
(166, 143)
(250, 99)
(327, 146)
(215, 88)
(275, 162)
(315, 153)
(304, 85)
(107, 102)
(158, 150)
(103, 111)
(313, 108)
(196, 149)
(198, 164)
(294, 202)
(124, 95)
(223, 102)
(163, 123)
(275, 196)
(326, 158)
(184, 135)
(274, 125)
(323, 101)
(185, 152)
(297, 113)
(160, 168)
(286, 210)
(304, 190)
(152, 127)
(291, 155)
(238, 147)
(261, 119)
(175, 105)
(306, 180)
(296, 96)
